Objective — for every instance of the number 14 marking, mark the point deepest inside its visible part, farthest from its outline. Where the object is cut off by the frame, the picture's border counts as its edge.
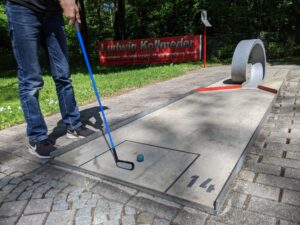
(204, 184)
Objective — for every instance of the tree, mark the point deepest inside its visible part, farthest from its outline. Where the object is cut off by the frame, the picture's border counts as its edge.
(119, 24)
(84, 28)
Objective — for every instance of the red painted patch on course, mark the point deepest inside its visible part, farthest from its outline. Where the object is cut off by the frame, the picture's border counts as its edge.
(268, 89)
(228, 87)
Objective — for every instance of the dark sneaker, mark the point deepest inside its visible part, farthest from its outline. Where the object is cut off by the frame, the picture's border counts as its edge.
(41, 149)
(80, 132)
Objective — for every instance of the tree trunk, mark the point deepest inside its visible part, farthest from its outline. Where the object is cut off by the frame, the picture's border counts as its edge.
(84, 28)
(119, 25)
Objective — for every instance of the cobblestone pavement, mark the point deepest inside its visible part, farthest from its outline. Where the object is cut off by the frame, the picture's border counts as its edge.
(266, 191)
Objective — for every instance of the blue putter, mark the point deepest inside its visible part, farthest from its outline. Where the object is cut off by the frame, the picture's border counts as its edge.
(119, 163)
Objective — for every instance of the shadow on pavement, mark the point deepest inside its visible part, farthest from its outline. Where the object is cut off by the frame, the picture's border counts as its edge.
(89, 117)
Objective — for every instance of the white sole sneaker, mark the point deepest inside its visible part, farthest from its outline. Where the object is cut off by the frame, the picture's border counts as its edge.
(32, 150)
(73, 136)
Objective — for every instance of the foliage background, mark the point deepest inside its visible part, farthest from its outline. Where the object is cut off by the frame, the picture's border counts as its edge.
(276, 22)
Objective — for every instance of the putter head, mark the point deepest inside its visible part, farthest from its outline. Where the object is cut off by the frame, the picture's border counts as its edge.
(125, 165)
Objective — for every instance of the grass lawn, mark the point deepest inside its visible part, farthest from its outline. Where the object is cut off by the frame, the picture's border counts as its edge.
(110, 81)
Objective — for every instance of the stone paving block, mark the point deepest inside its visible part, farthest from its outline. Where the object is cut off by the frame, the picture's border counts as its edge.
(103, 206)
(212, 222)
(238, 217)
(145, 218)
(287, 122)
(292, 173)
(236, 199)
(100, 217)
(38, 206)
(293, 155)
(190, 216)
(291, 197)
(12, 208)
(82, 200)
(161, 222)
(41, 191)
(115, 210)
(12, 196)
(276, 139)
(256, 189)
(33, 187)
(113, 222)
(84, 212)
(37, 219)
(73, 197)
(25, 195)
(22, 186)
(91, 202)
(252, 157)
(274, 209)
(78, 204)
(83, 216)
(51, 193)
(129, 210)
(9, 187)
(269, 125)
(259, 142)
(280, 182)
(60, 206)
(264, 132)
(295, 141)
(246, 175)
(9, 221)
(278, 134)
(73, 189)
(154, 207)
(3, 195)
(283, 147)
(60, 202)
(266, 152)
(295, 126)
(80, 181)
(254, 166)
(16, 180)
(285, 222)
(61, 218)
(272, 153)
(61, 185)
(128, 220)
(60, 197)
(282, 162)
(295, 132)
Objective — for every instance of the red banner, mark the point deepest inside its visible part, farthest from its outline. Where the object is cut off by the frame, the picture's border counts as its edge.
(150, 51)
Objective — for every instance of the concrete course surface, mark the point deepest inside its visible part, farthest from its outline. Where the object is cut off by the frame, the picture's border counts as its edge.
(266, 191)
(190, 159)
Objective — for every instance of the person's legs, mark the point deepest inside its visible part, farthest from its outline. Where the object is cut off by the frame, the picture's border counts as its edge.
(24, 27)
(25, 32)
(56, 46)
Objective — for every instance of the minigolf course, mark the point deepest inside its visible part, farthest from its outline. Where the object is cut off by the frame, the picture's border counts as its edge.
(193, 147)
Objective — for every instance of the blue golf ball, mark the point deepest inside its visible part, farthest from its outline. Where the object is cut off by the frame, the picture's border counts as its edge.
(140, 158)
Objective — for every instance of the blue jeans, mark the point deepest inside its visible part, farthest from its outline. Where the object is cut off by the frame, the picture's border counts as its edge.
(28, 31)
